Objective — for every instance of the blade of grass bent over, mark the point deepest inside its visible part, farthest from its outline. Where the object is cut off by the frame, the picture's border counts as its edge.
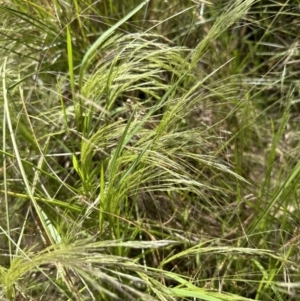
(101, 39)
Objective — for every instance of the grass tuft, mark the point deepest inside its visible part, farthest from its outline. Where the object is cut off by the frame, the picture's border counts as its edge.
(149, 150)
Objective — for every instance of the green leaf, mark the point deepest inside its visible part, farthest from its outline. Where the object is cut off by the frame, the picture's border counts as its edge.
(89, 54)
(194, 294)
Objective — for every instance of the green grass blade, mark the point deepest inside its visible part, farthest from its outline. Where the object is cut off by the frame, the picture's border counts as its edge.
(86, 59)
(18, 157)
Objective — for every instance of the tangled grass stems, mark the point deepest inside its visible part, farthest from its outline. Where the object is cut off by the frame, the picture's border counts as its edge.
(149, 150)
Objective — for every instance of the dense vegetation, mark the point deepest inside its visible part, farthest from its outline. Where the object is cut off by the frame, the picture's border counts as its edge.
(150, 150)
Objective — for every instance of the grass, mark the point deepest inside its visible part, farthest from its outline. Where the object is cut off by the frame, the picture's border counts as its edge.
(149, 150)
